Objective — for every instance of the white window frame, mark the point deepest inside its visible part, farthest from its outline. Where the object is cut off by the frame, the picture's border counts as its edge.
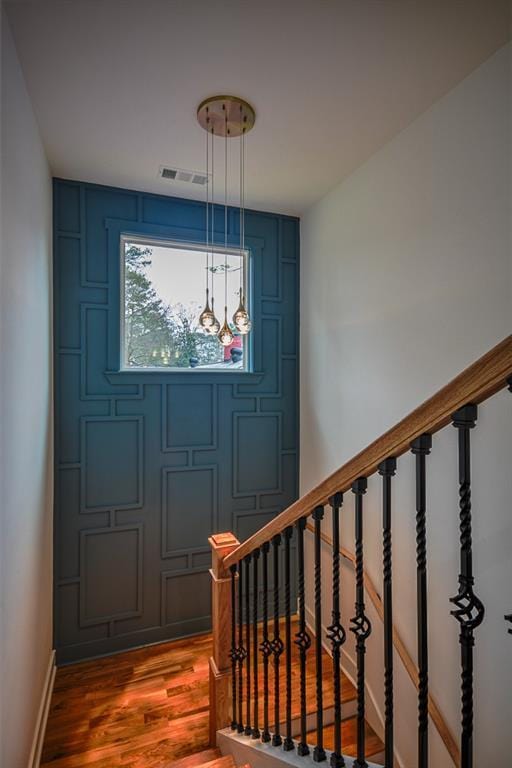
(163, 242)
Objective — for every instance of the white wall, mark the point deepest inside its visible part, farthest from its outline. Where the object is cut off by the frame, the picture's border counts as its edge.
(26, 452)
(406, 279)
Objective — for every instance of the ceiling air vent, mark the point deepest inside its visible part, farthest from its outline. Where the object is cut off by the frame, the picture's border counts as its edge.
(180, 174)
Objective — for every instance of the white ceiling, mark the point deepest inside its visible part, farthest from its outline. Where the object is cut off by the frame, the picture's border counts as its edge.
(115, 83)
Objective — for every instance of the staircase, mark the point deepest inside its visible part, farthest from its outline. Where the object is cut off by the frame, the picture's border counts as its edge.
(264, 706)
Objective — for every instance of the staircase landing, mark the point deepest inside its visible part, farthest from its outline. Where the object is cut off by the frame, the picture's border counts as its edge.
(149, 708)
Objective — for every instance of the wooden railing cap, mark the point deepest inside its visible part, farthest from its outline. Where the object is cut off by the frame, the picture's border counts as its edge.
(221, 540)
(482, 379)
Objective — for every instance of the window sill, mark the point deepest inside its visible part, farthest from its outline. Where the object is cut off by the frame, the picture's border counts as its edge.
(157, 375)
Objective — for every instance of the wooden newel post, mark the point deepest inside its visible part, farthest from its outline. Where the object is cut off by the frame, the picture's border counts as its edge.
(220, 662)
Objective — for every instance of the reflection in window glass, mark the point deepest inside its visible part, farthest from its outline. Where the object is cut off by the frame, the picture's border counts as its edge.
(164, 294)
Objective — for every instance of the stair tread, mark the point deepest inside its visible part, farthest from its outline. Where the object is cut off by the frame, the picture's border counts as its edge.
(348, 691)
(349, 738)
(197, 759)
(226, 761)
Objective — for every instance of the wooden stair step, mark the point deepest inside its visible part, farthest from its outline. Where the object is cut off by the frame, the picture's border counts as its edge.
(197, 759)
(349, 738)
(227, 761)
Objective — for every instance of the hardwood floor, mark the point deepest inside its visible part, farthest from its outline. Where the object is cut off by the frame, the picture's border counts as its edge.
(149, 707)
(139, 709)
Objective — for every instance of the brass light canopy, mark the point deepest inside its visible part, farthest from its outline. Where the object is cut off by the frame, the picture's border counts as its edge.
(221, 114)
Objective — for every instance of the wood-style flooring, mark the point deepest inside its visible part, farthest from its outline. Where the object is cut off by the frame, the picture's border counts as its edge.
(139, 709)
(149, 707)
(373, 745)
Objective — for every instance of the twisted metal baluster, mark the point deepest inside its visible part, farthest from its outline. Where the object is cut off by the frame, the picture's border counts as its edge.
(234, 648)
(387, 469)
(421, 448)
(265, 647)
(241, 650)
(302, 638)
(361, 626)
(319, 751)
(255, 557)
(508, 617)
(277, 643)
(288, 741)
(469, 611)
(336, 632)
(247, 561)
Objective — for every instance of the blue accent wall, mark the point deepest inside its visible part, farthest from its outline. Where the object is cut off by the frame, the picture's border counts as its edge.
(148, 464)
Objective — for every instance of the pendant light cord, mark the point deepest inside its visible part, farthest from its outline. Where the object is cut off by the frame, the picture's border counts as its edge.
(212, 242)
(243, 204)
(225, 210)
(241, 216)
(207, 203)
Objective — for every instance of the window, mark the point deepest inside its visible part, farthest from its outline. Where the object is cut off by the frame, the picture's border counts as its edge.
(163, 294)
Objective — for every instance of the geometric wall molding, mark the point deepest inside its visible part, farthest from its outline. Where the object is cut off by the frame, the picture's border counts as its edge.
(112, 463)
(189, 417)
(177, 610)
(257, 451)
(247, 523)
(105, 553)
(149, 463)
(189, 508)
(269, 354)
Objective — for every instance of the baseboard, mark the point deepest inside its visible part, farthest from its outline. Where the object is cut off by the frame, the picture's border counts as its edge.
(42, 715)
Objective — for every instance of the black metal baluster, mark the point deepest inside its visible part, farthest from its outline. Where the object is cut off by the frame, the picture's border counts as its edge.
(247, 561)
(508, 617)
(277, 643)
(421, 448)
(302, 638)
(387, 469)
(241, 650)
(361, 626)
(470, 611)
(288, 741)
(336, 632)
(319, 751)
(234, 649)
(255, 557)
(265, 647)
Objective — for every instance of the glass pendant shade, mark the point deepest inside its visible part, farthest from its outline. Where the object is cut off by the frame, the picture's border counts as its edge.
(207, 317)
(226, 334)
(246, 327)
(241, 318)
(214, 328)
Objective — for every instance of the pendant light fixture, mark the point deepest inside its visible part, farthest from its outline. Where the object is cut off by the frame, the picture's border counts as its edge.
(207, 317)
(227, 117)
(225, 333)
(241, 317)
(215, 326)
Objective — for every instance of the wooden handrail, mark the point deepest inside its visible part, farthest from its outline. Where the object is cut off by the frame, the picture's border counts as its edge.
(410, 667)
(474, 385)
